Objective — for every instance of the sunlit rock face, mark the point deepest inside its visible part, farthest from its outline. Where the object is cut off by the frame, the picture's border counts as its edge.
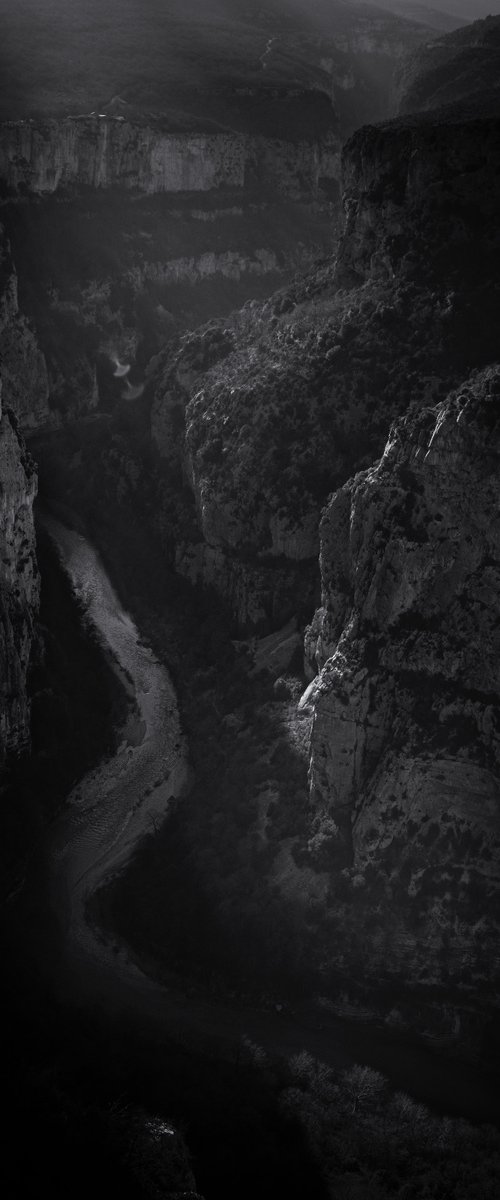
(19, 587)
(24, 372)
(405, 754)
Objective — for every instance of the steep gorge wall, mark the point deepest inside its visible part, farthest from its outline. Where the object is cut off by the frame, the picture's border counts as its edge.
(25, 381)
(109, 152)
(23, 391)
(19, 587)
(405, 752)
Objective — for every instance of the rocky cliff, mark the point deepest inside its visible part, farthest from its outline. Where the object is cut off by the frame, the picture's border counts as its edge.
(24, 372)
(282, 402)
(405, 752)
(109, 152)
(103, 152)
(23, 391)
(19, 587)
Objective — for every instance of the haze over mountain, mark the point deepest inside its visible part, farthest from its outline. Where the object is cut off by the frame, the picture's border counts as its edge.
(462, 67)
(58, 58)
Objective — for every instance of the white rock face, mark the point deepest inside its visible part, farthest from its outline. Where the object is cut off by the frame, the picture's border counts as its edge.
(107, 152)
(229, 265)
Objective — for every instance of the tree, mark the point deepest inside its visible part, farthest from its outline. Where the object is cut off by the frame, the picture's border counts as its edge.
(362, 1086)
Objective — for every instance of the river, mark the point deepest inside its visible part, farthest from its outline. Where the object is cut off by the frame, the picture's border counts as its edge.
(107, 814)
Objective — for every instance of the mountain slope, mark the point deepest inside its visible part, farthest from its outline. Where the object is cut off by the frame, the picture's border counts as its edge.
(461, 66)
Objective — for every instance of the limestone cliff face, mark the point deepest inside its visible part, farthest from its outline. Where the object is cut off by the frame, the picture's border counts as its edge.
(405, 755)
(106, 152)
(19, 587)
(24, 372)
(110, 152)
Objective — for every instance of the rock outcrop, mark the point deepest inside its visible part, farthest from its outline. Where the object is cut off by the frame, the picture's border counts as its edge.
(405, 754)
(19, 587)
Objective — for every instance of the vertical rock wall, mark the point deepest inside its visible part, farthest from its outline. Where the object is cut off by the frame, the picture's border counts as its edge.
(110, 152)
(405, 755)
(25, 384)
(19, 586)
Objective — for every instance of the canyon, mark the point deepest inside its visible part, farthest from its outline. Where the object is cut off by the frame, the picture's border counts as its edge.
(253, 421)
(224, 190)
(207, 219)
(257, 365)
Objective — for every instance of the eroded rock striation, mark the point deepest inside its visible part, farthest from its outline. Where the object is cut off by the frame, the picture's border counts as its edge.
(405, 755)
